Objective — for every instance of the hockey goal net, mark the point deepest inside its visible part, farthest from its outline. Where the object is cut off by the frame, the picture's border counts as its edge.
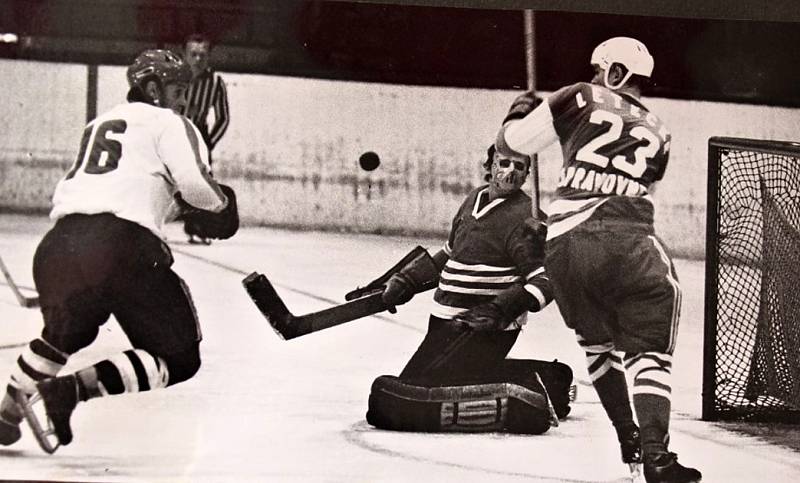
(752, 312)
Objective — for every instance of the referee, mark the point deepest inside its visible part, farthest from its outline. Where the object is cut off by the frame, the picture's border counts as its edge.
(207, 92)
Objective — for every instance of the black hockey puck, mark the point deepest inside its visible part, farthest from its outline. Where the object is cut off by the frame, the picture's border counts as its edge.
(369, 161)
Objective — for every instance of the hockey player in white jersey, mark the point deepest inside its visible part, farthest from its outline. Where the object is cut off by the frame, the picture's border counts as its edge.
(105, 256)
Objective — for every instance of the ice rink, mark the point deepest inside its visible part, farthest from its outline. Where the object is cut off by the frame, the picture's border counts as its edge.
(264, 409)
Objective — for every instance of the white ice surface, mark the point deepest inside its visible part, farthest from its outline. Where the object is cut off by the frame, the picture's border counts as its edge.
(263, 409)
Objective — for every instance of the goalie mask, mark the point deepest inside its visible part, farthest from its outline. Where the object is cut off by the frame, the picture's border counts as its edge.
(163, 66)
(508, 174)
(629, 53)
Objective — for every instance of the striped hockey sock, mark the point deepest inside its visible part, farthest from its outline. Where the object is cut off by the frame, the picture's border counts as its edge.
(608, 378)
(38, 361)
(134, 370)
(652, 392)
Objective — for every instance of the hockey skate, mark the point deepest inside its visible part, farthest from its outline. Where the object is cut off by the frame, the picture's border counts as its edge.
(49, 409)
(630, 448)
(10, 417)
(9, 430)
(664, 468)
(198, 240)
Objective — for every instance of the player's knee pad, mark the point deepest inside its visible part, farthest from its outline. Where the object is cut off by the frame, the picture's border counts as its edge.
(183, 365)
(402, 406)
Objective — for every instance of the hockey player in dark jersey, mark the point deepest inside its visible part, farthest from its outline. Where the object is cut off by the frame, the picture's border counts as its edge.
(613, 280)
(490, 277)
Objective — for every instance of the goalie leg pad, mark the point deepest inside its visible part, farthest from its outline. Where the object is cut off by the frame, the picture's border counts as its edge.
(556, 376)
(468, 408)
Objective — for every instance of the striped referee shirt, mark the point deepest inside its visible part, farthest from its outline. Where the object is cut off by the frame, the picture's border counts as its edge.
(207, 92)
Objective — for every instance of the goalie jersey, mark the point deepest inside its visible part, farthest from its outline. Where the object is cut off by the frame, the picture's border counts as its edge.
(132, 161)
(488, 252)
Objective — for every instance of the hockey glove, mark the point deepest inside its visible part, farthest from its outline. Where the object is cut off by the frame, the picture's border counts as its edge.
(208, 224)
(399, 290)
(484, 317)
(500, 312)
(412, 278)
(536, 234)
(523, 105)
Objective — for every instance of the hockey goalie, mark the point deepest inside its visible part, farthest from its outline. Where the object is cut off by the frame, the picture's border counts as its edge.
(490, 275)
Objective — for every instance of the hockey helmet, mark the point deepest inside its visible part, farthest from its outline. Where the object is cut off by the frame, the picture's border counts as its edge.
(628, 52)
(161, 64)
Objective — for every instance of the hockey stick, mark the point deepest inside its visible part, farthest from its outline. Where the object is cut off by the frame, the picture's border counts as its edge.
(23, 300)
(530, 75)
(288, 326)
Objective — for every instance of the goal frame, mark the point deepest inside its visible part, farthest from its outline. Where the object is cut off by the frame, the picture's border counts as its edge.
(715, 145)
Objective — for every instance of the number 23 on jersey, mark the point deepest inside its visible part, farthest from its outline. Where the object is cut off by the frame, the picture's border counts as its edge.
(599, 150)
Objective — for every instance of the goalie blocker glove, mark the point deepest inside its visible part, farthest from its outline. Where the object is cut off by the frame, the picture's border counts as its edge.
(208, 224)
(420, 272)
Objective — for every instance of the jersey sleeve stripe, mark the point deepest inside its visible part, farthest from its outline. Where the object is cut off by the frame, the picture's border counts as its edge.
(194, 142)
(538, 294)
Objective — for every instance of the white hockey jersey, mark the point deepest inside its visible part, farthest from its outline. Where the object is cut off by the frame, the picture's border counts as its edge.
(132, 161)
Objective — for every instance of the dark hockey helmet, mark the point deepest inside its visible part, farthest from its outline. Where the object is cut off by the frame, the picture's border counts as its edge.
(164, 65)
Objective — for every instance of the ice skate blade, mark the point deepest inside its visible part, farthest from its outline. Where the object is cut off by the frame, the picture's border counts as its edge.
(636, 473)
(573, 392)
(34, 413)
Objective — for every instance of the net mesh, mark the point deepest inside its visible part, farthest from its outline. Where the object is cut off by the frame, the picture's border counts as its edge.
(757, 318)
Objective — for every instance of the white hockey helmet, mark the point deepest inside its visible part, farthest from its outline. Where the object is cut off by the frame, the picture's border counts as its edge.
(630, 53)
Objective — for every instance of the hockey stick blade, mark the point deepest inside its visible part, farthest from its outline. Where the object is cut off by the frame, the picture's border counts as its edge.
(288, 326)
(24, 301)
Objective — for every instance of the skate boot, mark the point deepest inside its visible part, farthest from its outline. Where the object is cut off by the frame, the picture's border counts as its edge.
(664, 468)
(49, 420)
(9, 429)
(10, 417)
(630, 447)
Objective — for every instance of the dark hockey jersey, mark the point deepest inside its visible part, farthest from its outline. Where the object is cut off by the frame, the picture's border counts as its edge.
(614, 149)
(488, 253)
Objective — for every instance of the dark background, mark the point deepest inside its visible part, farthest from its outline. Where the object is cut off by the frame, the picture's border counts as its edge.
(696, 58)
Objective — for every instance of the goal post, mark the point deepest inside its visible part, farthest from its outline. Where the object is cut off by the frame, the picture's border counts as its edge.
(751, 357)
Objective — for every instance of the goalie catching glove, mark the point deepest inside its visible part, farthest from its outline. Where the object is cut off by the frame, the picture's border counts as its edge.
(208, 224)
(500, 312)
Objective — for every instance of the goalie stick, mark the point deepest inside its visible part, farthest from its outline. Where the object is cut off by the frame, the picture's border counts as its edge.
(22, 299)
(288, 326)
